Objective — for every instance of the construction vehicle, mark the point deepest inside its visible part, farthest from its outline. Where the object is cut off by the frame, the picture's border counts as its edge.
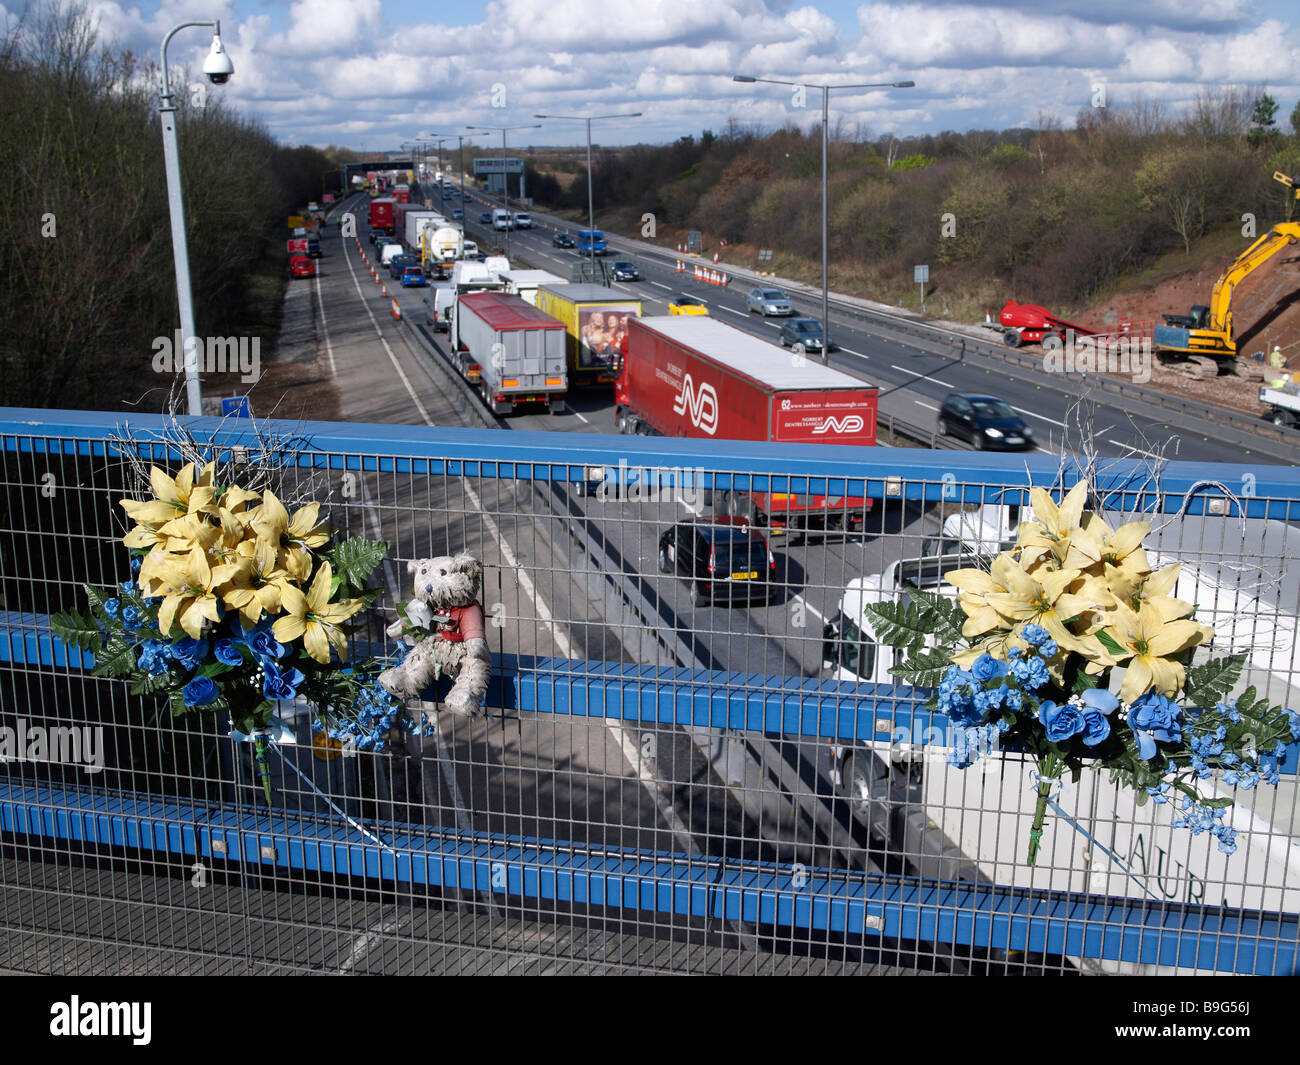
(1203, 337)
(1028, 323)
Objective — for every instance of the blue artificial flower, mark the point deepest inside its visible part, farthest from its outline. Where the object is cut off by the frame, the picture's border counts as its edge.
(265, 647)
(1160, 793)
(200, 691)
(135, 565)
(281, 684)
(1035, 635)
(1293, 720)
(1229, 710)
(1013, 700)
(1030, 673)
(1096, 727)
(1101, 700)
(153, 657)
(1060, 721)
(130, 616)
(227, 653)
(111, 607)
(189, 652)
(129, 587)
(1154, 718)
(986, 667)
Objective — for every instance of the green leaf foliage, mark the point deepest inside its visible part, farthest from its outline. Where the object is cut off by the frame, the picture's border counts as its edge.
(923, 670)
(77, 629)
(1208, 683)
(899, 624)
(355, 559)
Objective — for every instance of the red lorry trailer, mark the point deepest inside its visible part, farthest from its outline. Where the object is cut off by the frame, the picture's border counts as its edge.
(381, 215)
(697, 377)
(520, 351)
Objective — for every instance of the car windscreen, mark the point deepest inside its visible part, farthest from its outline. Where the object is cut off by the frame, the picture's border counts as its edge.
(772, 294)
(808, 327)
(992, 408)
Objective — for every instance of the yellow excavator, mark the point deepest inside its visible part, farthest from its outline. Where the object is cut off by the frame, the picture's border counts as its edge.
(1204, 336)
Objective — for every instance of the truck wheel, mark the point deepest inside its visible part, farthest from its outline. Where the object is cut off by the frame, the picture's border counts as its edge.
(1281, 419)
(855, 783)
(1011, 338)
(699, 597)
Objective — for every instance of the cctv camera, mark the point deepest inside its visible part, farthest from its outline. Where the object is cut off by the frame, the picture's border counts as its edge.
(218, 66)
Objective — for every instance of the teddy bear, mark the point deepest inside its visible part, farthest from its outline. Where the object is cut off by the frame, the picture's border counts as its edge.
(446, 632)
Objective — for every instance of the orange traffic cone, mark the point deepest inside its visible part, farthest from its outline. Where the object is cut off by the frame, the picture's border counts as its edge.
(715, 256)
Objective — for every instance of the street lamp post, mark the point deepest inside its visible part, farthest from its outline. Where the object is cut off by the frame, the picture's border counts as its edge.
(217, 68)
(461, 138)
(505, 179)
(826, 89)
(591, 208)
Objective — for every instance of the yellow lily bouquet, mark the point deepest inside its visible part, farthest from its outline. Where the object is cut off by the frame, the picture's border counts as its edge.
(236, 605)
(1026, 656)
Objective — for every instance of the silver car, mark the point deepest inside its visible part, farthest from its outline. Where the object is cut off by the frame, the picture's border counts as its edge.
(768, 301)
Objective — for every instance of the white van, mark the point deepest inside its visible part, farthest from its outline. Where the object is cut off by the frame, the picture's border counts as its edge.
(390, 250)
(523, 220)
(437, 306)
(501, 219)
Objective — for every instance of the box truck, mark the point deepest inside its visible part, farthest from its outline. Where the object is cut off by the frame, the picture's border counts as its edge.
(381, 215)
(698, 377)
(519, 349)
(596, 320)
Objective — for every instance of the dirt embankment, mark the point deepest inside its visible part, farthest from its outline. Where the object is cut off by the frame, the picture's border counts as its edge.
(1266, 312)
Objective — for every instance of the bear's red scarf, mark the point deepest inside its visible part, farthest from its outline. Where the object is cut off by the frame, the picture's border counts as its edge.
(460, 623)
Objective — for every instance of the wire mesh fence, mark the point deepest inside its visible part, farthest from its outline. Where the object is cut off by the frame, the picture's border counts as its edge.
(693, 755)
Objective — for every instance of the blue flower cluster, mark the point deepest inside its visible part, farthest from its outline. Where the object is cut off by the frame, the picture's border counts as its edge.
(1200, 818)
(376, 714)
(969, 743)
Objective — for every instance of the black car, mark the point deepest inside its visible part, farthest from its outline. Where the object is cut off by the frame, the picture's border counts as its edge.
(984, 421)
(622, 270)
(485, 218)
(720, 558)
(563, 240)
(805, 331)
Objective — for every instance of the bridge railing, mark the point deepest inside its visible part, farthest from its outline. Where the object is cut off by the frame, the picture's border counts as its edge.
(709, 768)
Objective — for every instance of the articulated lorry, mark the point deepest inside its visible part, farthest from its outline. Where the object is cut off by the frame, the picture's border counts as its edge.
(697, 377)
(468, 277)
(519, 350)
(596, 320)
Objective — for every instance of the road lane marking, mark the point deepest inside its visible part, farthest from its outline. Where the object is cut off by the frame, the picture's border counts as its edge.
(925, 405)
(732, 310)
(668, 288)
(1043, 418)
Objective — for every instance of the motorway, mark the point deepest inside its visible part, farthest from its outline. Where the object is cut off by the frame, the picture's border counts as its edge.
(592, 567)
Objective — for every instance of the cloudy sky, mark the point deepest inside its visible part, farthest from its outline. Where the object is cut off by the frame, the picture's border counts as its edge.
(372, 73)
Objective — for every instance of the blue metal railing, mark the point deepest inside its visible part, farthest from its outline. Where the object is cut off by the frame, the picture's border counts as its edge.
(851, 904)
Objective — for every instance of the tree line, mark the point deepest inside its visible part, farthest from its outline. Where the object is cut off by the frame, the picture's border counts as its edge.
(85, 232)
(1043, 213)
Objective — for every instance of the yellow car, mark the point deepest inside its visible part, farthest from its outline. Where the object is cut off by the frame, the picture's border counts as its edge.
(687, 305)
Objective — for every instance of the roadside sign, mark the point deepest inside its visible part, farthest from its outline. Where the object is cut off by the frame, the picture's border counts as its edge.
(297, 246)
(694, 242)
(295, 220)
(236, 407)
(920, 275)
(328, 198)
